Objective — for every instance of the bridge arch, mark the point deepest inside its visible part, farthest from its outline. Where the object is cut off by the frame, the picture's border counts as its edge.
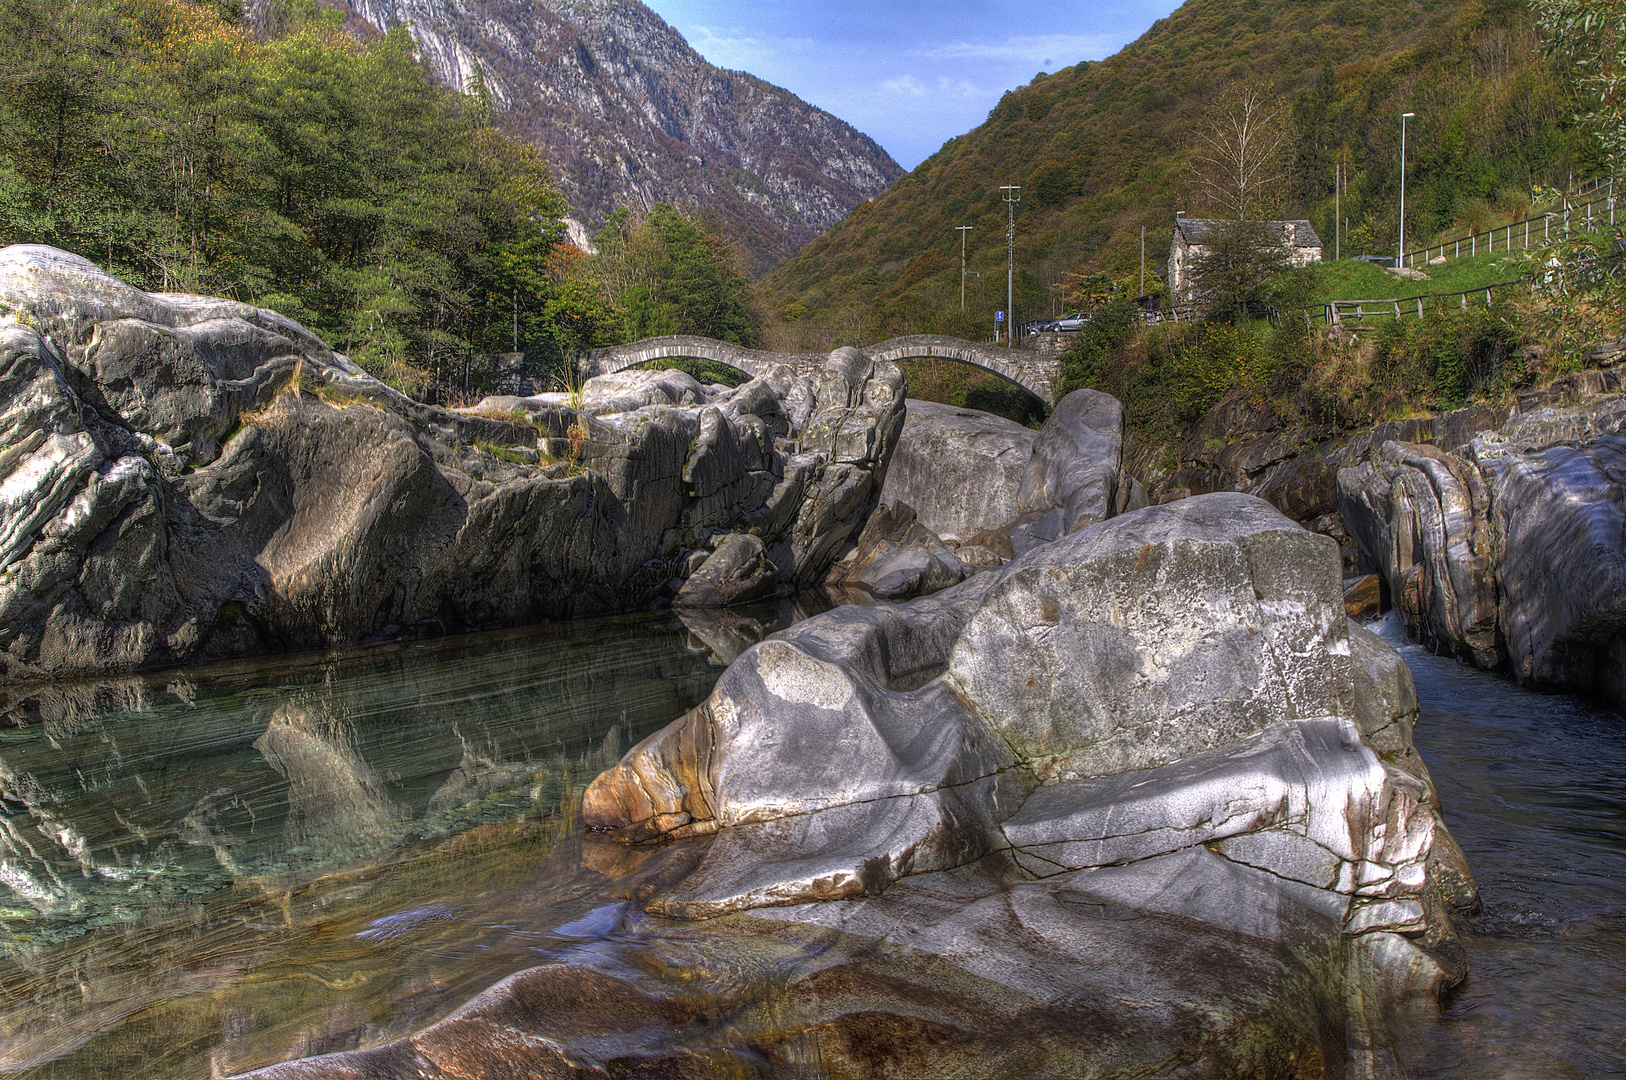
(1032, 371)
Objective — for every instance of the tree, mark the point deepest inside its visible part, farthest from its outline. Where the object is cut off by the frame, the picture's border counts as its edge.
(671, 277)
(1591, 34)
(1239, 165)
(1238, 160)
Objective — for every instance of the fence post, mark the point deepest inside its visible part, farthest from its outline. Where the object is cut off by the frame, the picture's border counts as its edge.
(1527, 234)
(1473, 243)
(1419, 307)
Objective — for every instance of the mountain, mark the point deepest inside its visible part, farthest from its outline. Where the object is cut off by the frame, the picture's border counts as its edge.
(629, 115)
(1102, 150)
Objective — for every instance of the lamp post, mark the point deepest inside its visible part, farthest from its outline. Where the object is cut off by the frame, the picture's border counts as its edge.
(1013, 195)
(962, 230)
(1400, 260)
(1143, 260)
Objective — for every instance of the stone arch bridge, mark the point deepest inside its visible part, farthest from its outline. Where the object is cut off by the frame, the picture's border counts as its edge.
(1031, 370)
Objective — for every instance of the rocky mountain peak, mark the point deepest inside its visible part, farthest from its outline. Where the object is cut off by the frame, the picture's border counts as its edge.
(629, 115)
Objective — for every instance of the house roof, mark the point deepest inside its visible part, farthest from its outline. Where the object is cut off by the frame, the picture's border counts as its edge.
(1300, 234)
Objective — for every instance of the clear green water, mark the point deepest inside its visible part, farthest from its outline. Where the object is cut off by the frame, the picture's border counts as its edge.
(214, 869)
(209, 871)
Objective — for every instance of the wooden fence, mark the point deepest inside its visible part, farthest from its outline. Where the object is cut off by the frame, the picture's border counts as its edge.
(1351, 314)
(1526, 234)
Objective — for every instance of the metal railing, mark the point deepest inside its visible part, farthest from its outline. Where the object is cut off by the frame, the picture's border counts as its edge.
(1529, 233)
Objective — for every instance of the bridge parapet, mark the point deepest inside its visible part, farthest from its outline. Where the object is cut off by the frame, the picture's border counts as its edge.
(1031, 370)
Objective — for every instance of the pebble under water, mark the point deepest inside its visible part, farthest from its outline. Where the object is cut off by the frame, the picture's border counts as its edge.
(208, 871)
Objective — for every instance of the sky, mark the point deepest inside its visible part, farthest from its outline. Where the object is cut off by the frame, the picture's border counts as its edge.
(911, 75)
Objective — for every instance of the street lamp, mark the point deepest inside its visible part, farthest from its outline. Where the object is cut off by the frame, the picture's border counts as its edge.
(1400, 260)
(962, 229)
(1013, 195)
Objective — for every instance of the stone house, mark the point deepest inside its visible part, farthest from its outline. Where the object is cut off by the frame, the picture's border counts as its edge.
(1193, 235)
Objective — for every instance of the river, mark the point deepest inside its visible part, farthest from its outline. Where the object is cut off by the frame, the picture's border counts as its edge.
(211, 870)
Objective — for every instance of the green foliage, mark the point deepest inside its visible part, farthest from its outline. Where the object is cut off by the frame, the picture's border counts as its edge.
(310, 172)
(1591, 35)
(1102, 149)
(671, 277)
(1449, 356)
(963, 386)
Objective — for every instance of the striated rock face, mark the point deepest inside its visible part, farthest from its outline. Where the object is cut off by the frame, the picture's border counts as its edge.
(1176, 677)
(629, 115)
(1560, 516)
(1422, 514)
(1508, 551)
(186, 477)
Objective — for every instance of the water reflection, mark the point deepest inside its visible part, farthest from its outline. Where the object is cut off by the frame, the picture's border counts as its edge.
(210, 871)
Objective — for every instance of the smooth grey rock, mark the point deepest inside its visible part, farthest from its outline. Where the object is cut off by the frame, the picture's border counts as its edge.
(737, 572)
(1148, 637)
(896, 557)
(1560, 520)
(1179, 677)
(1077, 460)
(626, 391)
(184, 478)
(961, 469)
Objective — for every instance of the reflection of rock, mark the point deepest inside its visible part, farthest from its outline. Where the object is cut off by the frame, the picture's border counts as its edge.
(191, 477)
(1143, 796)
(336, 804)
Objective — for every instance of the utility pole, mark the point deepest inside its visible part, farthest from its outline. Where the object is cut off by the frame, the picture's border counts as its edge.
(1401, 260)
(1143, 260)
(1013, 195)
(962, 230)
(1337, 221)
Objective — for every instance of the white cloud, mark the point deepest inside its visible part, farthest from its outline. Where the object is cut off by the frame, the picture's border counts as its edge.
(906, 84)
(1035, 49)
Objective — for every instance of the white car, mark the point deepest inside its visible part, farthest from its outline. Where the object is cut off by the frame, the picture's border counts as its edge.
(1075, 321)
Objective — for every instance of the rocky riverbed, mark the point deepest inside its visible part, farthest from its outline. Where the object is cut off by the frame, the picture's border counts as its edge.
(1150, 762)
(1124, 778)
(187, 478)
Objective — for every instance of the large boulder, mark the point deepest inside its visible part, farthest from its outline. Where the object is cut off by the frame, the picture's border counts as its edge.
(961, 469)
(1422, 513)
(186, 477)
(1141, 802)
(1173, 678)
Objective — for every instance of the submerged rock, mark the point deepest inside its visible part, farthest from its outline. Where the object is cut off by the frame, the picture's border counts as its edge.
(1141, 802)
(187, 477)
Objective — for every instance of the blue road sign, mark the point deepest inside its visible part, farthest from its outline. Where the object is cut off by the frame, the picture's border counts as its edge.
(999, 316)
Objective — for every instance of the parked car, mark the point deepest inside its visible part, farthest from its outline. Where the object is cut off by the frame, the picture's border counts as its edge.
(1041, 326)
(1387, 261)
(1075, 321)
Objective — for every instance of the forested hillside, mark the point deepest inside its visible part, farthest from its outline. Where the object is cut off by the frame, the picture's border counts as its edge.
(294, 166)
(1103, 149)
(628, 115)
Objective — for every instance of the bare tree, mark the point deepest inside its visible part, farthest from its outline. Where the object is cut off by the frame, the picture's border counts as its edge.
(1239, 157)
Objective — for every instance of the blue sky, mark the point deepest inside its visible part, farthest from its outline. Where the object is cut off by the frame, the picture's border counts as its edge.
(910, 75)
